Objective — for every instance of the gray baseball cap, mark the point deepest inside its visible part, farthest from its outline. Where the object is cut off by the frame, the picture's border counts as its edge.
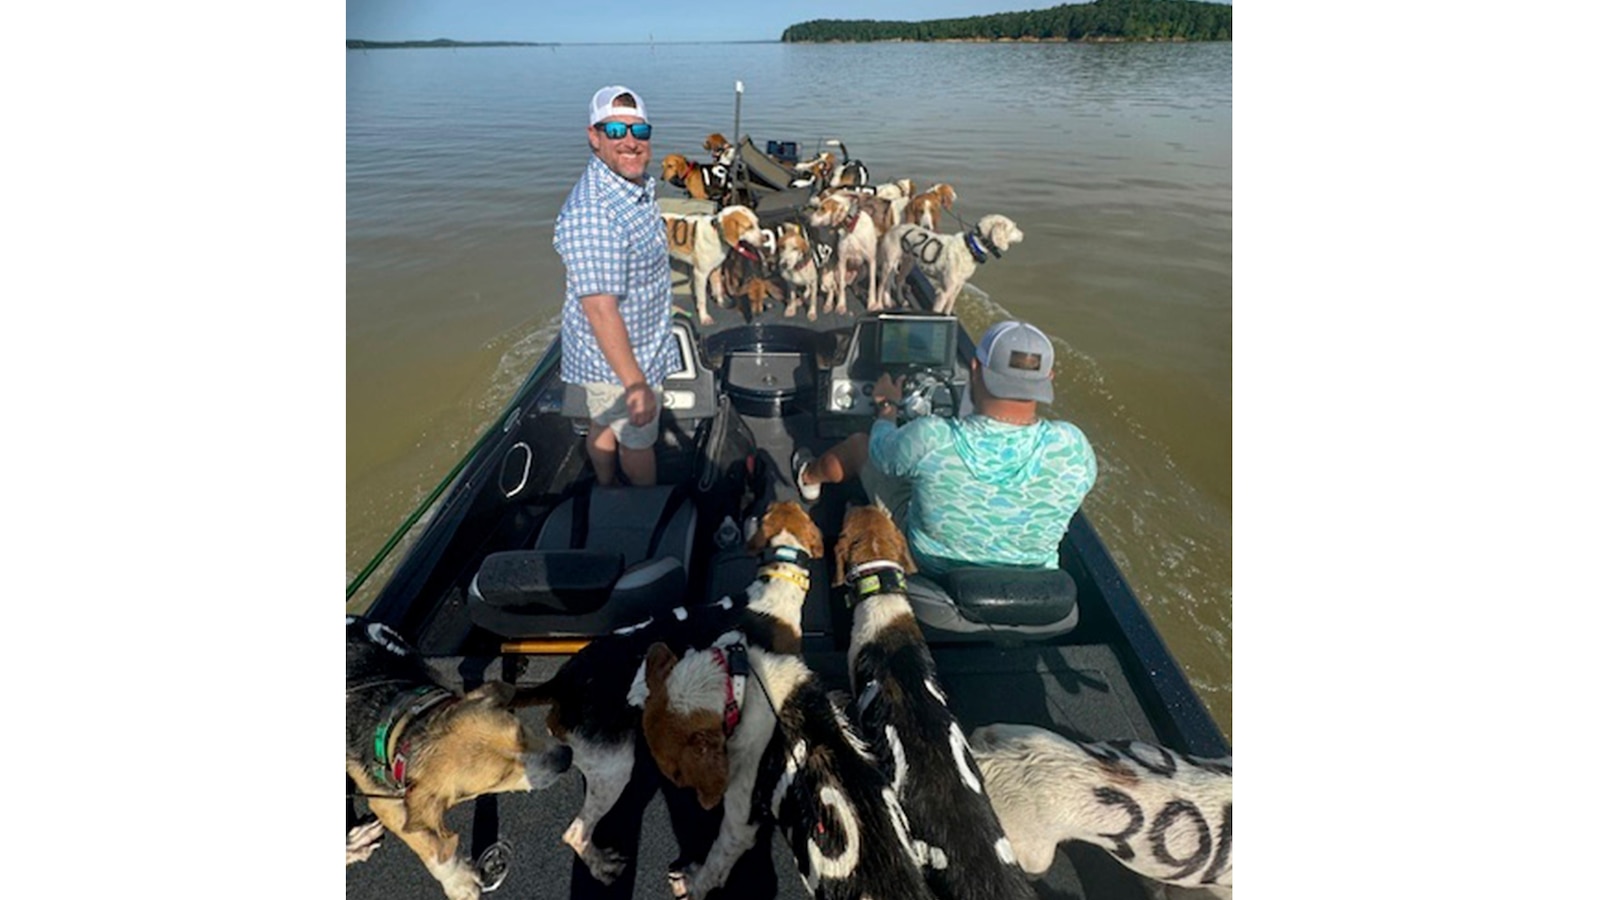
(1017, 359)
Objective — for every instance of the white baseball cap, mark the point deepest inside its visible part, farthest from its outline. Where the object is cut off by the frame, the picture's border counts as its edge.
(1017, 359)
(601, 106)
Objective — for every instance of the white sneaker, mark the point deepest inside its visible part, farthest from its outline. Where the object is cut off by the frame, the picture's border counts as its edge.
(798, 463)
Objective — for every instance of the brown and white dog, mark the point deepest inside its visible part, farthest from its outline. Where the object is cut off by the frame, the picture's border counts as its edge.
(903, 714)
(416, 749)
(595, 698)
(818, 170)
(1165, 815)
(721, 150)
(797, 266)
(856, 245)
(925, 207)
(703, 182)
(703, 241)
(899, 189)
(947, 259)
(793, 756)
(743, 274)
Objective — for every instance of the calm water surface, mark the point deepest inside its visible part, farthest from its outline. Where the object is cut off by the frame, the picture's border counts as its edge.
(1115, 160)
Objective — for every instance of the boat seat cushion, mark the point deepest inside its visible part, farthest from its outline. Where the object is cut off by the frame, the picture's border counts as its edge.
(981, 601)
(606, 557)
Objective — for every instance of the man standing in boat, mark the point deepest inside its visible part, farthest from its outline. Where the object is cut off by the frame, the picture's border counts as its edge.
(996, 487)
(616, 336)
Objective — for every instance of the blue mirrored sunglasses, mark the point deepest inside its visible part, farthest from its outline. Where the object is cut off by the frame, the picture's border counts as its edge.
(615, 130)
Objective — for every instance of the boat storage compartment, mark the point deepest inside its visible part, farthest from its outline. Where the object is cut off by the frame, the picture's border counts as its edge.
(767, 384)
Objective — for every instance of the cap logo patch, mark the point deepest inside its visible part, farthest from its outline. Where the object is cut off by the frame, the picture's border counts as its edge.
(1027, 361)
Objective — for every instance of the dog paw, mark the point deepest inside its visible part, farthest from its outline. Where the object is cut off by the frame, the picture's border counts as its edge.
(705, 319)
(678, 882)
(362, 841)
(811, 315)
(605, 865)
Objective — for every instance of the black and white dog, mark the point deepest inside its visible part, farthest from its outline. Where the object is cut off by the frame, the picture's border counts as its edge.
(903, 713)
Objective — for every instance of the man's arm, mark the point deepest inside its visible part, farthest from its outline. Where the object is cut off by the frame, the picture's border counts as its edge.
(612, 336)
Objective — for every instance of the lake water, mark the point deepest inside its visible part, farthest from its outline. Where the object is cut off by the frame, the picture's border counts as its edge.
(1115, 160)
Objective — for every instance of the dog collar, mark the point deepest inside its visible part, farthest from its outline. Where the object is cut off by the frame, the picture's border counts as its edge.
(976, 243)
(388, 743)
(785, 554)
(796, 574)
(736, 662)
(880, 576)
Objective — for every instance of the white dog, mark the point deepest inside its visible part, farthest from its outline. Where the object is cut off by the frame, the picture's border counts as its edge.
(857, 244)
(1162, 814)
(947, 259)
(797, 267)
(703, 241)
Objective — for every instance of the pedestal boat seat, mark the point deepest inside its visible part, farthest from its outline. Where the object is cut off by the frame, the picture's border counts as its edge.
(605, 558)
(989, 602)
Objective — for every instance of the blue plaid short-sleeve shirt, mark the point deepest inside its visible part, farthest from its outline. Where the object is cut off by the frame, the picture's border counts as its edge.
(611, 236)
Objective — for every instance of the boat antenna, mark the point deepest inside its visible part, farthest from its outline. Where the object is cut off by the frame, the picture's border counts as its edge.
(740, 176)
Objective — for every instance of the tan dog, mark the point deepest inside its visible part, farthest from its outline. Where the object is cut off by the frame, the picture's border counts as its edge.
(925, 207)
(947, 259)
(703, 241)
(741, 276)
(818, 170)
(721, 150)
(713, 182)
(901, 189)
(798, 269)
(1163, 814)
(856, 245)
(416, 750)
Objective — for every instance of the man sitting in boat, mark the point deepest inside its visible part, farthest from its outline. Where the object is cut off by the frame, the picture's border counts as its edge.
(996, 487)
(616, 321)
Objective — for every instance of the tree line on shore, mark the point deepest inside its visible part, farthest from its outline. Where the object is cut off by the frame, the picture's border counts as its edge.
(1108, 20)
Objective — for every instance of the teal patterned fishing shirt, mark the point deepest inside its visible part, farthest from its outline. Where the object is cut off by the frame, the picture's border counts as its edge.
(984, 492)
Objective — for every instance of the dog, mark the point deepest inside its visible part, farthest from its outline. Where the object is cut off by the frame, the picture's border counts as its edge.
(856, 246)
(1165, 815)
(797, 266)
(743, 274)
(713, 182)
(415, 749)
(703, 241)
(902, 712)
(948, 259)
(900, 189)
(924, 208)
(793, 756)
(816, 171)
(593, 699)
(721, 151)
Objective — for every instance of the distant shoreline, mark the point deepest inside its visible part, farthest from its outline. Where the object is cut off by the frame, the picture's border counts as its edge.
(446, 44)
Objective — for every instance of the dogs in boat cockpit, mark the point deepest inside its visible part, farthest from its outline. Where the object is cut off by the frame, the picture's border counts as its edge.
(794, 757)
(903, 714)
(703, 240)
(416, 749)
(594, 699)
(1165, 815)
(797, 266)
(948, 260)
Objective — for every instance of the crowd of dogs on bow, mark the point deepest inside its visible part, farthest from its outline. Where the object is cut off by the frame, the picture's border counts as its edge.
(848, 228)
(879, 792)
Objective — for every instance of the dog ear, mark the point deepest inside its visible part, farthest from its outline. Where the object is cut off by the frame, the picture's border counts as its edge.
(658, 664)
(538, 695)
(841, 549)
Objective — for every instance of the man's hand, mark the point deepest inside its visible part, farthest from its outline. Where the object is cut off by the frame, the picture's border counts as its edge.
(641, 404)
(886, 395)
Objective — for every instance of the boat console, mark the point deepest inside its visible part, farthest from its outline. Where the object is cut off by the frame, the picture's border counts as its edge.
(919, 347)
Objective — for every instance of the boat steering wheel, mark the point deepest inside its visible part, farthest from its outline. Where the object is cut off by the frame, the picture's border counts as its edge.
(920, 395)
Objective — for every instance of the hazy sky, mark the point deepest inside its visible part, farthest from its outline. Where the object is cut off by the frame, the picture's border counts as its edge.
(581, 21)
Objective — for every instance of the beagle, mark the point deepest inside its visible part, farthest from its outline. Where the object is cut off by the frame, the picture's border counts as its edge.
(947, 259)
(901, 708)
(703, 241)
(856, 244)
(925, 207)
(713, 182)
(797, 266)
(721, 150)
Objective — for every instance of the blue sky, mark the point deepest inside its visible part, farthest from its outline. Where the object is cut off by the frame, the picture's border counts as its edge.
(605, 21)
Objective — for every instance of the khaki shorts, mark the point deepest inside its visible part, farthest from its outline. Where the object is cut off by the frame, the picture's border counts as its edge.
(608, 409)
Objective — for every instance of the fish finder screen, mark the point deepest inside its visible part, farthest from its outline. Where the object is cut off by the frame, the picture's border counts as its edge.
(917, 342)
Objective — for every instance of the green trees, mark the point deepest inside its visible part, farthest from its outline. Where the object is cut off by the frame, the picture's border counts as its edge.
(1136, 20)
